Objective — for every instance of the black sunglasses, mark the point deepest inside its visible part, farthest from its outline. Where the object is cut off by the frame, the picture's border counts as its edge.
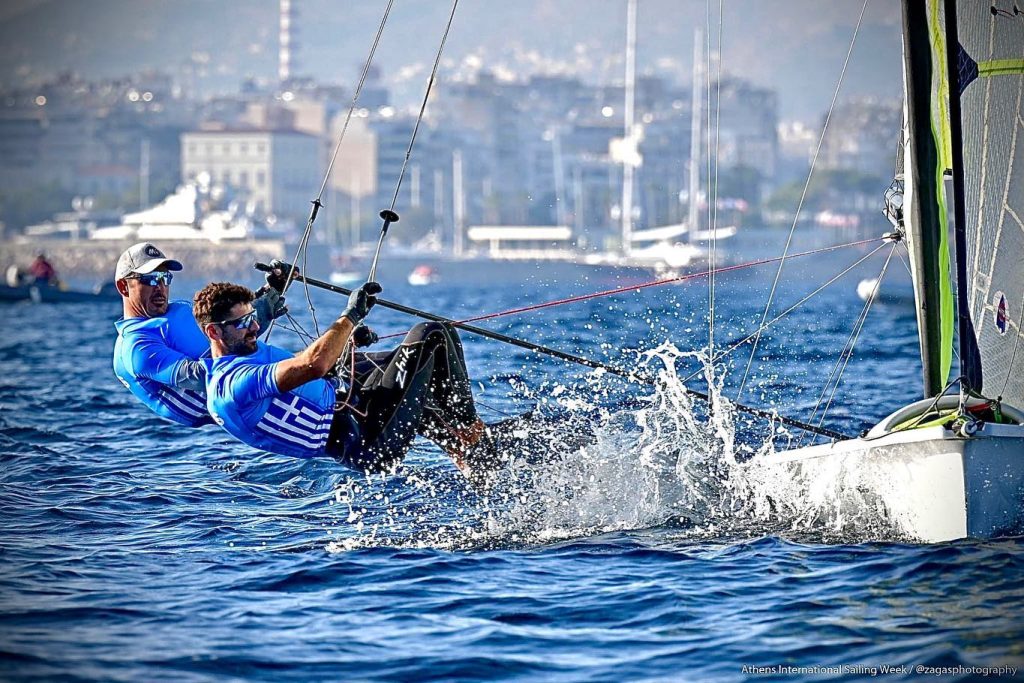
(242, 322)
(160, 277)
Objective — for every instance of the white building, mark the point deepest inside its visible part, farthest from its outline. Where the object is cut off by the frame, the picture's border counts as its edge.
(279, 170)
(515, 242)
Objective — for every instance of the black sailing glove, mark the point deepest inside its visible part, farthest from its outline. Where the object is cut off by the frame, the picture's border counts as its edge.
(268, 304)
(364, 336)
(278, 277)
(360, 301)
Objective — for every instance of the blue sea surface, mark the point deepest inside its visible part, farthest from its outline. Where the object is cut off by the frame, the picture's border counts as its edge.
(135, 550)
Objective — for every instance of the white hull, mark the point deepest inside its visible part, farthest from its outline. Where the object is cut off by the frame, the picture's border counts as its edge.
(934, 486)
(343, 278)
(654, 257)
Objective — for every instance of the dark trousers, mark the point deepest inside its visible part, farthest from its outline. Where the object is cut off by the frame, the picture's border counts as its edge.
(421, 387)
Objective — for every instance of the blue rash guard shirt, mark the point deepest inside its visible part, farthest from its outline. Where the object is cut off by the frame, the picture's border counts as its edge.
(243, 397)
(148, 357)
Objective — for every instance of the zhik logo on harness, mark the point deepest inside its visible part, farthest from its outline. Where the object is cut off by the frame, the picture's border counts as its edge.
(404, 354)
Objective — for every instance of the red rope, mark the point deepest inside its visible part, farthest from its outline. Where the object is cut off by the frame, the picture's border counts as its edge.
(653, 283)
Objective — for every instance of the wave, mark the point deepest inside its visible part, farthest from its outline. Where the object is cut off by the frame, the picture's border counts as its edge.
(599, 457)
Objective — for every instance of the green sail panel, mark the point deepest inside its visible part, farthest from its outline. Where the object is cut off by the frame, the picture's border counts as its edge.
(991, 46)
(927, 155)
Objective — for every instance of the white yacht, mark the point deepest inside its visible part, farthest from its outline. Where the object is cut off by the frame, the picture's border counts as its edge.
(195, 211)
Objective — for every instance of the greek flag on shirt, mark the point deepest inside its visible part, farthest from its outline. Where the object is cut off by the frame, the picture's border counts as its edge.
(243, 398)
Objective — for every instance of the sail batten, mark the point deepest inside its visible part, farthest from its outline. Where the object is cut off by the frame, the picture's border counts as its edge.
(1000, 67)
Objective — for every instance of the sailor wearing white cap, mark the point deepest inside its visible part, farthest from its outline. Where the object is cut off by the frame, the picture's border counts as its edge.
(156, 355)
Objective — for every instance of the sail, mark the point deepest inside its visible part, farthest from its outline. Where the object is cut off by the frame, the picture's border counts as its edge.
(990, 57)
(926, 156)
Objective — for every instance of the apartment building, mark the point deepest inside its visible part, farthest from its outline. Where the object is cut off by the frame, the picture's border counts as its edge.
(279, 170)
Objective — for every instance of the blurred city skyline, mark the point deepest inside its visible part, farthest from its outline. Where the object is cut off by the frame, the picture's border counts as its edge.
(795, 47)
(113, 107)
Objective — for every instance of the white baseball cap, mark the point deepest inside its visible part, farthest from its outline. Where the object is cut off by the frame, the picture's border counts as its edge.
(142, 258)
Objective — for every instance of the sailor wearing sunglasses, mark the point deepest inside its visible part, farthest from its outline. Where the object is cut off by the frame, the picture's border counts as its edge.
(156, 355)
(297, 405)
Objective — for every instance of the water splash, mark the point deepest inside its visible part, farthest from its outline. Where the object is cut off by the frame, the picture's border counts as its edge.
(600, 458)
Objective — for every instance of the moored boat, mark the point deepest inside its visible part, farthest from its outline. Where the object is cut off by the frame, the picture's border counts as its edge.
(422, 276)
(50, 294)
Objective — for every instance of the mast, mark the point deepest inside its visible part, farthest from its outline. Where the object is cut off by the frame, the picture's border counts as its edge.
(970, 357)
(285, 62)
(144, 175)
(630, 141)
(559, 172)
(695, 120)
(925, 209)
(458, 204)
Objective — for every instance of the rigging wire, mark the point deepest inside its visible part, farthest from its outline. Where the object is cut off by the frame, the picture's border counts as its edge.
(847, 353)
(713, 255)
(300, 331)
(858, 330)
(789, 310)
(900, 150)
(627, 374)
(710, 190)
(1016, 343)
(904, 260)
(389, 214)
(896, 216)
(317, 203)
(657, 283)
(803, 194)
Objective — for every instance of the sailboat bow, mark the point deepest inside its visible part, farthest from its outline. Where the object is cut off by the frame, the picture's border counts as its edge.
(952, 465)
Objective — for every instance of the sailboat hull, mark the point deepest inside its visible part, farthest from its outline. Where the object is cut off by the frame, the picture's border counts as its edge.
(930, 484)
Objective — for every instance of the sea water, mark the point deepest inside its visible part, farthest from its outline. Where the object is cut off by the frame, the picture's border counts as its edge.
(644, 535)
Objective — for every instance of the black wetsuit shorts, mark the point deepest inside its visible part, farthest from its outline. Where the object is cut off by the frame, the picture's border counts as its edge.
(421, 387)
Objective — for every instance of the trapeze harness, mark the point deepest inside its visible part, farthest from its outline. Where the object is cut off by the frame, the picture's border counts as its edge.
(421, 387)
